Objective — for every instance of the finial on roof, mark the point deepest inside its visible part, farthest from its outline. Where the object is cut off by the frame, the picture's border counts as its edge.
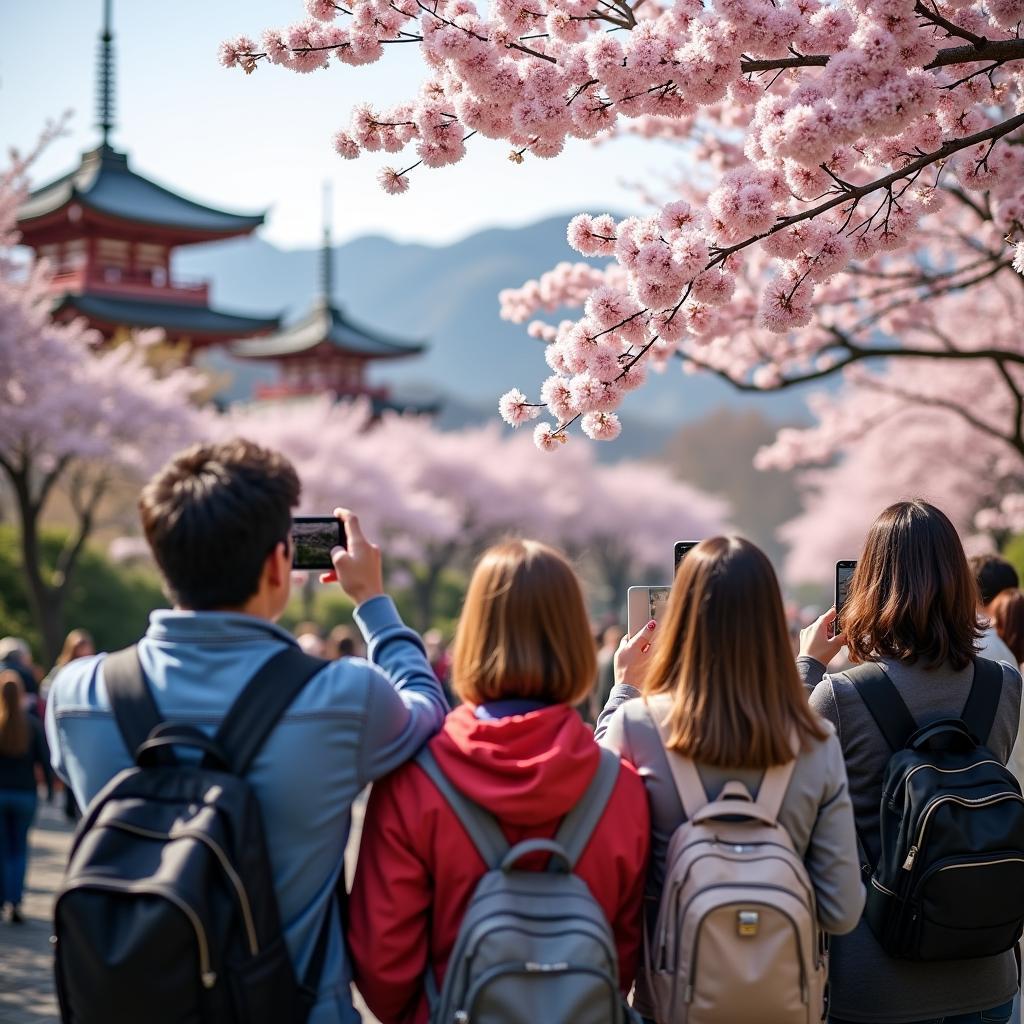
(326, 254)
(105, 77)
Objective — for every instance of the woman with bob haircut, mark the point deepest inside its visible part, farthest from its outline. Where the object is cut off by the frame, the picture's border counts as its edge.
(523, 656)
(721, 681)
(912, 610)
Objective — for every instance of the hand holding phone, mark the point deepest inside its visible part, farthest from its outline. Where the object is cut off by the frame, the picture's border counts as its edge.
(358, 567)
(819, 640)
(633, 655)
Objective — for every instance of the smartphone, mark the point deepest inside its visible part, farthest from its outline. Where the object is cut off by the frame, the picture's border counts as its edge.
(844, 575)
(682, 547)
(313, 537)
(644, 604)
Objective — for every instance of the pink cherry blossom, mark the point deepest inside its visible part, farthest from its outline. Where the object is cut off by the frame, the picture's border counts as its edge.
(515, 409)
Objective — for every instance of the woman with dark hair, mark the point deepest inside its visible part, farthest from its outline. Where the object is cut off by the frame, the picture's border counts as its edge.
(523, 659)
(22, 747)
(912, 611)
(721, 690)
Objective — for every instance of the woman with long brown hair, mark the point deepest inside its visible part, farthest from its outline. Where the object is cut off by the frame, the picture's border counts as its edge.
(717, 679)
(911, 611)
(516, 747)
(22, 747)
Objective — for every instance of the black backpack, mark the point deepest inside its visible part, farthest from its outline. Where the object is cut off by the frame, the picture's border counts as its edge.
(949, 881)
(167, 912)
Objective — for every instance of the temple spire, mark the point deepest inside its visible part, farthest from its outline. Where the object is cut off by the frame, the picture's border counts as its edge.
(326, 252)
(105, 77)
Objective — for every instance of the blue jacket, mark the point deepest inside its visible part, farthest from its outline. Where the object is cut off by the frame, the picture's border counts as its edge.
(353, 722)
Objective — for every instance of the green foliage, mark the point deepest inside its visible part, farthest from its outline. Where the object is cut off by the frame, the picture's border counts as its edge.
(328, 607)
(1013, 552)
(110, 601)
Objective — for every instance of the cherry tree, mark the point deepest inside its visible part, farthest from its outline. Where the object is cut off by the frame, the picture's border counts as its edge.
(74, 417)
(836, 149)
(950, 431)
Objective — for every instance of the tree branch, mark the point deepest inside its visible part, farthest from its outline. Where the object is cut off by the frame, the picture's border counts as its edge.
(1000, 50)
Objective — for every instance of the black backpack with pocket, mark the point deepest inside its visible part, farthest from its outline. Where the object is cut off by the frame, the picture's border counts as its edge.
(949, 880)
(167, 912)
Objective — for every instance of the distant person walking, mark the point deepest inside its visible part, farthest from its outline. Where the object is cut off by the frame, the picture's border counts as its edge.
(77, 644)
(22, 747)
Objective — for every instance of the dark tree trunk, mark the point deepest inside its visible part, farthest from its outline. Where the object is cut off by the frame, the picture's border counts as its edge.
(46, 602)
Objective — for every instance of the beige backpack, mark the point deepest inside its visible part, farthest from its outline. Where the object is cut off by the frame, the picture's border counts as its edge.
(737, 936)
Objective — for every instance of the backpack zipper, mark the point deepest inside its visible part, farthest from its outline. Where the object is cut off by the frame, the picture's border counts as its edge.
(890, 797)
(465, 1015)
(218, 851)
(981, 863)
(206, 973)
(973, 802)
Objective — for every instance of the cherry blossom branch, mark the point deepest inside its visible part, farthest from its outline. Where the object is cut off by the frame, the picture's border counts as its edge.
(931, 14)
(993, 49)
(859, 192)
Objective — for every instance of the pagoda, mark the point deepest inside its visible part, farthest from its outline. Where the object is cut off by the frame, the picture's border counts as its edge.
(326, 351)
(110, 234)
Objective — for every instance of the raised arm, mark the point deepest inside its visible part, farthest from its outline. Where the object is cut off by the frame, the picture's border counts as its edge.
(404, 702)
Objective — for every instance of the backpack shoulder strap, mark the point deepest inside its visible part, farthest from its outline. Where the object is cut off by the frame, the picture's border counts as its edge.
(265, 698)
(884, 702)
(131, 700)
(979, 712)
(775, 781)
(481, 826)
(772, 791)
(685, 776)
(578, 825)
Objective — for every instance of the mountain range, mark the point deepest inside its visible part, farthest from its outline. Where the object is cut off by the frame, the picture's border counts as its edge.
(448, 296)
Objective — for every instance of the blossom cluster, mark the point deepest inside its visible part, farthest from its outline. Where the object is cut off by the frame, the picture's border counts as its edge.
(822, 118)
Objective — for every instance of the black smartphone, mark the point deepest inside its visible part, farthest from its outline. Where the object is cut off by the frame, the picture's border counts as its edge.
(313, 537)
(844, 574)
(682, 546)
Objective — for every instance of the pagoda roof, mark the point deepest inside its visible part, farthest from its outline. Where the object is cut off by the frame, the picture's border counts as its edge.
(326, 326)
(104, 184)
(181, 318)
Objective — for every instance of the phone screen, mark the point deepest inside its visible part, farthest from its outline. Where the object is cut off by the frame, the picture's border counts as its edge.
(658, 599)
(313, 537)
(844, 575)
(682, 547)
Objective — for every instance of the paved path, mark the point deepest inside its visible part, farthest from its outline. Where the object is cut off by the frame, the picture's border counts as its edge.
(26, 975)
(26, 978)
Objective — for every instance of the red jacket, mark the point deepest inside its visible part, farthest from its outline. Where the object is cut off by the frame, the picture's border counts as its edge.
(417, 867)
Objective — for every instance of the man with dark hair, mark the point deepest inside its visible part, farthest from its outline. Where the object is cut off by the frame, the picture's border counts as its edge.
(218, 519)
(993, 575)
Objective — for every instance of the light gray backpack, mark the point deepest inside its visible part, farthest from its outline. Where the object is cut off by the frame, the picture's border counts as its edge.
(737, 935)
(534, 947)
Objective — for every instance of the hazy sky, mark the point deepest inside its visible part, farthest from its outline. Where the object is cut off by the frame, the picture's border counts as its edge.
(263, 141)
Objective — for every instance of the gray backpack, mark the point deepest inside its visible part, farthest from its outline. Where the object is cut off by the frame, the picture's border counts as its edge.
(533, 946)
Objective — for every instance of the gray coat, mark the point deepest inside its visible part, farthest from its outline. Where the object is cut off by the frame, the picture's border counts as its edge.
(816, 811)
(867, 985)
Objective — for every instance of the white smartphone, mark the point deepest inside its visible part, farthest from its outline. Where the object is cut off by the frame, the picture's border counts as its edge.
(644, 604)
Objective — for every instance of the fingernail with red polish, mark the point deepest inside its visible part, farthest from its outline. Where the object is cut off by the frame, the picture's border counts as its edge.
(645, 648)
(651, 624)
